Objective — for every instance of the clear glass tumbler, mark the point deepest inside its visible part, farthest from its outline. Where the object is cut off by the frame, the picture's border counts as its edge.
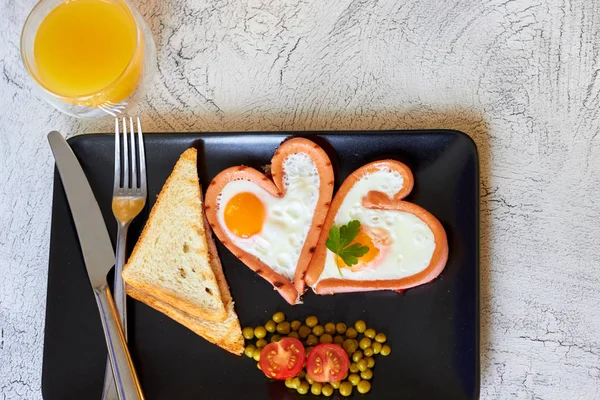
(106, 83)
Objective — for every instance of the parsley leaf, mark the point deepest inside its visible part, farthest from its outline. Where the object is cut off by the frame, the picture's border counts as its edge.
(333, 242)
(339, 243)
(349, 232)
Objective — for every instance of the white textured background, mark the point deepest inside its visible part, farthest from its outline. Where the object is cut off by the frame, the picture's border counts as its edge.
(521, 77)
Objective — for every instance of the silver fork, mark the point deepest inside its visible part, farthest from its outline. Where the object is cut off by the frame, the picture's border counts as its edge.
(129, 198)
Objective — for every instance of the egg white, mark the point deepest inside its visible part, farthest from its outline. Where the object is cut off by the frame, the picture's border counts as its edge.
(287, 220)
(412, 241)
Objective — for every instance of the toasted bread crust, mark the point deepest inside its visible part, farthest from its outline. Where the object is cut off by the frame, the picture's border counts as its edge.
(229, 338)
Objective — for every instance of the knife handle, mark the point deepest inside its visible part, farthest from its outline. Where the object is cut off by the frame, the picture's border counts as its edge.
(126, 380)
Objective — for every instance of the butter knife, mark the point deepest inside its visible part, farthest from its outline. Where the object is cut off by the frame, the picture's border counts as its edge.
(99, 258)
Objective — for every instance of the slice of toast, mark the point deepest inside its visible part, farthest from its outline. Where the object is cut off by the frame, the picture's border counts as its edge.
(171, 260)
(226, 334)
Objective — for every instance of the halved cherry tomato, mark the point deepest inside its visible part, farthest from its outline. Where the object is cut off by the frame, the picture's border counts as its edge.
(327, 363)
(283, 359)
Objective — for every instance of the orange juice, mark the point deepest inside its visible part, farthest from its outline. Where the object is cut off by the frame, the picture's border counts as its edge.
(89, 51)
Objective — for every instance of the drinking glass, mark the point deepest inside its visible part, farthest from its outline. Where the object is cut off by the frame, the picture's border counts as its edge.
(109, 96)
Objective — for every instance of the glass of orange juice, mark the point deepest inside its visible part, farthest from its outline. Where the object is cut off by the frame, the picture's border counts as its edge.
(88, 58)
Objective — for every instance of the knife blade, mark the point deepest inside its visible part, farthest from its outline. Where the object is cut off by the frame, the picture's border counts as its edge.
(93, 237)
(99, 258)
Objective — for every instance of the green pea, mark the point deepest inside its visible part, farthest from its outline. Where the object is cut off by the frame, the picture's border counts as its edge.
(304, 331)
(296, 383)
(278, 317)
(311, 321)
(316, 388)
(308, 350)
(346, 389)
(377, 347)
(289, 383)
(312, 340)
(327, 390)
(380, 337)
(363, 387)
(309, 379)
(294, 335)
(260, 332)
(364, 343)
(258, 366)
(385, 350)
(260, 343)
(270, 326)
(366, 374)
(330, 328)
(249, 350)
(362, 365)
(296, 325)
(370, 362)
(248, 333)
(302, 374)
(335, 385)
(370, 333)
(275, 338)
(318, 330)
(283, 328)
(340, 328)
(354, 379)
(353, 368)
(357, 356)
(348, 345)
(326, 338)
(360, 326)
(303, 388)
(368, 352)
(256, 354)
(351, 333)
(338, 339)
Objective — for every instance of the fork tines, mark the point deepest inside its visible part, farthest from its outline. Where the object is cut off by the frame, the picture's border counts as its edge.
(130, 165)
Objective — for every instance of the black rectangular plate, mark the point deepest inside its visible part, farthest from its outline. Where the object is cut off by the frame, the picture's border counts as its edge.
(433, 329)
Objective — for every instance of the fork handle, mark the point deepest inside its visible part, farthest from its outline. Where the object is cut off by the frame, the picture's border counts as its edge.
(120, 293)
(109, 391)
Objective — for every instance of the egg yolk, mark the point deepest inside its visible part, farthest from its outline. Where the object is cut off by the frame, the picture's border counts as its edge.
(244, 215)
(364, 240)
